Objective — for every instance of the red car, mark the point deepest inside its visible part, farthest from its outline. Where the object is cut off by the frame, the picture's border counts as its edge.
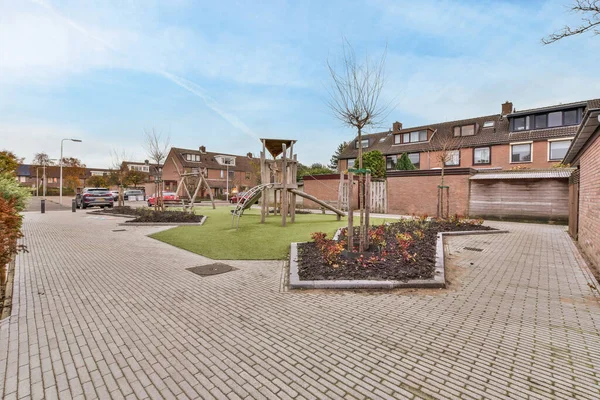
(237, 197)
(167, 196)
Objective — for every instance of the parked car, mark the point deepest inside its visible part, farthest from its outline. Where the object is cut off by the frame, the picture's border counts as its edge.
(236, 197)
(94, 197)
(115, 194)
(168, 196)
(133, 192)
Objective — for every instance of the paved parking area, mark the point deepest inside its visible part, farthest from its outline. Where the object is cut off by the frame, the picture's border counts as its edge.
(104, 314)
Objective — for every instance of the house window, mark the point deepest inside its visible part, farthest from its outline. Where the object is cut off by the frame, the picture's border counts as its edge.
(465, 130)
(247, 175)
(412, 137)
(188, 157)
(570, 117)
(351, 162)
(197, 157)
(22, 179)
(555, 119)
(452, 158)
(488, 124)
(363, 143)
(222, 174)
(231, 174)
(390, 162)
(558, 149)
(481, 155)
(520, 153)
(541, 121)
(519, 124)
(415, 158)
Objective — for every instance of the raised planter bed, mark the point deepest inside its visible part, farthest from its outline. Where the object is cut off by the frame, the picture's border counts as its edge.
(150, 217)
(384, 268)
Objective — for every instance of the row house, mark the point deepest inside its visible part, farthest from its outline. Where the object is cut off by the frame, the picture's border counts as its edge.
(535, 138)
(30, 176)
(225, 173)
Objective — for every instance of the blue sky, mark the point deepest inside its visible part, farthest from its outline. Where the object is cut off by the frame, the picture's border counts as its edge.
(223, 74)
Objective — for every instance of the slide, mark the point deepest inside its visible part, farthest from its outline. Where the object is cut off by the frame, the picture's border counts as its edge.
(320, 202)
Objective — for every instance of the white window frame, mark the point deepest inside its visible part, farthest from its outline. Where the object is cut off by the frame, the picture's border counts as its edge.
(362, 143)
(530, 143)
(348, 162)
(489, 148)
(569, 139)
(448, 154)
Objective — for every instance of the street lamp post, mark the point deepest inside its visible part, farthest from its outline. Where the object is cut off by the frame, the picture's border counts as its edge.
(61, 165)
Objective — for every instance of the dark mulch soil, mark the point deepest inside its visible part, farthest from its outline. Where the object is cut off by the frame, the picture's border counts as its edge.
(150, 215)
(375, 265)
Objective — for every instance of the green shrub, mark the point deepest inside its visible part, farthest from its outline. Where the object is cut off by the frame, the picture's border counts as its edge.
(12, 192)
(404, 163)
(374, 161)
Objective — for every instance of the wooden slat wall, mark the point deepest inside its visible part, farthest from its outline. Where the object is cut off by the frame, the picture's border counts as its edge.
(537, 199)
(378, 197)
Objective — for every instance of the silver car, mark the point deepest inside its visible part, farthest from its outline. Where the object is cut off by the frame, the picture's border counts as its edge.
(94, 197)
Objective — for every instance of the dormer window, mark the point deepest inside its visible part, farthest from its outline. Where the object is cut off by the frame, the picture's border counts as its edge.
(411, 137)
(551, 119)
(192, 157)
(364, 143)
(465, 130)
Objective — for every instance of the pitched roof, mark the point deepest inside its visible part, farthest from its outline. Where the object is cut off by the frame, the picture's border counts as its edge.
(588, 127)
(207, 160)
(525, 174)
(498, 134)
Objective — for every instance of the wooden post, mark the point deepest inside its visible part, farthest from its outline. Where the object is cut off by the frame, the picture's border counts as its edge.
(293, 179)
(210, 194)
(265, 194)
(341, 191)
(350, 213)
(284, 192)
(367, 209)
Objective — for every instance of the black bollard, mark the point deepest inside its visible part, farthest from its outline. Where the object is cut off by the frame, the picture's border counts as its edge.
(43, 206)
(73, 205)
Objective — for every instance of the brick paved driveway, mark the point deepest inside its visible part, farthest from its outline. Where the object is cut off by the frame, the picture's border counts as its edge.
(103, 314)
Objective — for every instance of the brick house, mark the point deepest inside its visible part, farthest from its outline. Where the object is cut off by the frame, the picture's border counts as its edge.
(220, 169)
(534, 138)
(584, 188)
(29, 175)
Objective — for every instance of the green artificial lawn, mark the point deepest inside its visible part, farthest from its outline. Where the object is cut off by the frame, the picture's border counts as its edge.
(216, 239)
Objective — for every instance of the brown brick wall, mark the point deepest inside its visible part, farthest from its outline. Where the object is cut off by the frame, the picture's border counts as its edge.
(326, 190)
(418, 194)
(589, 202)
(500, 157)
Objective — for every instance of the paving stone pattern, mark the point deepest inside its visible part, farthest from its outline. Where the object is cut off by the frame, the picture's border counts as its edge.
(103, 314)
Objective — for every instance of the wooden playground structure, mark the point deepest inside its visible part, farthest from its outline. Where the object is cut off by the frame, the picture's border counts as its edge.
(278, 182)
(200, 175)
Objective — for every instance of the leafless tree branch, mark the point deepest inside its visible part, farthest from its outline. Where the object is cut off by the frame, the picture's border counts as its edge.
(156, 147)
(591, 20)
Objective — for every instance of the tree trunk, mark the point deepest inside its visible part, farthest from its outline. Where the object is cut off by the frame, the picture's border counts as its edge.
(361, 197)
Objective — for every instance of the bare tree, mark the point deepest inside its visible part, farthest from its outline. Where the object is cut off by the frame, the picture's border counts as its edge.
(354, 99)
(118, 173)
(590, 10)
(444, 149)
(157, 149)
(42, 159)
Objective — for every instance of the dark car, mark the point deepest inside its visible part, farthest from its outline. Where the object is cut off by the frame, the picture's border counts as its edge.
(94, 197)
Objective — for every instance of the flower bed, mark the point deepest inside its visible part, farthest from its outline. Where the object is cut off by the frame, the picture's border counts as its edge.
(148, 215)
(400, 251)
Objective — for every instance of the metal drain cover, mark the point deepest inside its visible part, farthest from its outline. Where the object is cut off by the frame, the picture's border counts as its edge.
(472, 248)
(211, 269)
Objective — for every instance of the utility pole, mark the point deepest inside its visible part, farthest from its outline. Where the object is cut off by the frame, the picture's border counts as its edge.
(61, 166)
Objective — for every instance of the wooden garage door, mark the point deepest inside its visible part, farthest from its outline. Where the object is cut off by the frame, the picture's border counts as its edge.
(526, 199)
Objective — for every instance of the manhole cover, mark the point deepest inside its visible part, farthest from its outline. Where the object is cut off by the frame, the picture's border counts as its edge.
(472, 248)
(211, 269)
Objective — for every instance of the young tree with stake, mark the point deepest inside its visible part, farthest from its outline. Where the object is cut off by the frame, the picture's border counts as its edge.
(354, 100)
(157, 149)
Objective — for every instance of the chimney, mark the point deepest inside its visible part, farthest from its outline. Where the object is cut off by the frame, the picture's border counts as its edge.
(202, 149)
(507, 108)
(397, 126)
(249, 155)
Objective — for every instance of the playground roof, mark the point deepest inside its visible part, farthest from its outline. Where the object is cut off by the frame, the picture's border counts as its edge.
(274, 145)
